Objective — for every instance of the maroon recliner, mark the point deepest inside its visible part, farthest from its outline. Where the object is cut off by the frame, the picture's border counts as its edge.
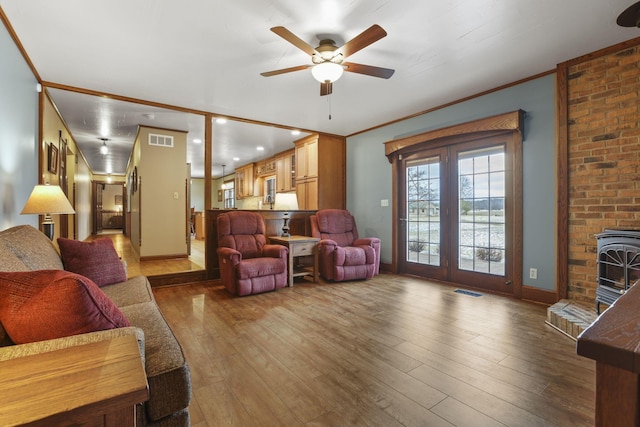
(248, 265)
(342, 255)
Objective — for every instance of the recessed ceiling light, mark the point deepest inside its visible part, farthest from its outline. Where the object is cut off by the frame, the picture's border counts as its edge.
(221, 120)
(197, 141)
(295, 132)
(236, 159)
(260, 148)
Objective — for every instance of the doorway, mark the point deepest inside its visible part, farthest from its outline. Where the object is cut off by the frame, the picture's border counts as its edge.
(108, 207)
(458, 204)
(458, 214)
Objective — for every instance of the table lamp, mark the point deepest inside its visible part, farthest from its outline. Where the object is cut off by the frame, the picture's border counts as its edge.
(46, 200)
(286, 202)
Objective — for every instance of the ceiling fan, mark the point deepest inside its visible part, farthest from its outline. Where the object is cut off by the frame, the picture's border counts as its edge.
(328, 60)
(630, 17)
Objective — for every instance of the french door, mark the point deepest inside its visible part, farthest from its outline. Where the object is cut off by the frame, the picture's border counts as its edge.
(456, 211)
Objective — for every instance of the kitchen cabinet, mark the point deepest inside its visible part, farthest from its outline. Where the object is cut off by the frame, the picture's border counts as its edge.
(320, 162)
(266, 167)
(244, 181)
(307, 193)
(307, 157)
(285, 172)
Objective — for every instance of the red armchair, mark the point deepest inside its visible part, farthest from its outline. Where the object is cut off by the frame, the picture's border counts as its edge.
(342, 255)
(247, 264)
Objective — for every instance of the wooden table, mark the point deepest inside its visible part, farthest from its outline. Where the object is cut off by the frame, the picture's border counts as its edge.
(299, 246)
(95, 384)
(613, 341)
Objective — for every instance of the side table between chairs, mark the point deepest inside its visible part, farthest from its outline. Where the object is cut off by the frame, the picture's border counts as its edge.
(299, 246)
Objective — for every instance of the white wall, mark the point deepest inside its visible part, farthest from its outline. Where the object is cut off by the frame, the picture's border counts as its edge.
(162, 175)
(18, 134)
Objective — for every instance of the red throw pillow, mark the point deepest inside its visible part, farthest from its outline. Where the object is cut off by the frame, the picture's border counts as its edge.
(46, 304)
(97, 260)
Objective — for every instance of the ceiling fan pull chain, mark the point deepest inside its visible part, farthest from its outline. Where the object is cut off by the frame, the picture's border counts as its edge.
(329, 101)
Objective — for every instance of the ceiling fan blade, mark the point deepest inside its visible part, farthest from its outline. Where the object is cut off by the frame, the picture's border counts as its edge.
(295, 40)
(369, 70)
(326, 88)
(284, 70)
(630, 17)
(364, 39)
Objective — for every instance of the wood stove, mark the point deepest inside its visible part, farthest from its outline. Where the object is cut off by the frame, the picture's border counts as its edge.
(618, 264)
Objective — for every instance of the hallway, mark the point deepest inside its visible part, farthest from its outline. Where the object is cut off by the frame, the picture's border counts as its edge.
(122, 243)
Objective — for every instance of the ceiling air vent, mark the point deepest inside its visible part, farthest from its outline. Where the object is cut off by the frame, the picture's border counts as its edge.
(160, 140)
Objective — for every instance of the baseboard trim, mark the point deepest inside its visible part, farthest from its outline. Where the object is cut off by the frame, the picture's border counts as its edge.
(173, 279)
(163, 257)
(543, 296)
(385, 268)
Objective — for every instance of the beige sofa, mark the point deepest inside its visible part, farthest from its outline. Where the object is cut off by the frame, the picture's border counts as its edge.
(24, 248)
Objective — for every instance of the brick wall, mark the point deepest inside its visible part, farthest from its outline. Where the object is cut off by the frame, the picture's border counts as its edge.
(604, 158)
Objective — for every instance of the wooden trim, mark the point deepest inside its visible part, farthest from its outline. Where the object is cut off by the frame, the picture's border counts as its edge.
(512, 121)
(458, 101)
(386, 267)
(602, 52)
(562, 179)
(163, 128)
(69, 88)
(208, 162)
(16, 40)
(162, 257)
(543, 296)
(517, 227)
(182, 278)
(395, 185)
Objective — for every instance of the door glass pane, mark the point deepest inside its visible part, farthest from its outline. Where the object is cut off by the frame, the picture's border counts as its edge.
(481, 228)
(423, 211)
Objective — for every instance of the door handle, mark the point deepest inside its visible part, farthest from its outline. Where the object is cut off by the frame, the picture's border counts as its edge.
(402, 219)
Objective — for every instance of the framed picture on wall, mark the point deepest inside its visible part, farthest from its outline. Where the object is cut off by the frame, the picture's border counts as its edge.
(63, 152)
(134, 178)
(52, 158)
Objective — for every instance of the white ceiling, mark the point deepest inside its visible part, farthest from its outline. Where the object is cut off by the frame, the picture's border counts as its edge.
(208, 55)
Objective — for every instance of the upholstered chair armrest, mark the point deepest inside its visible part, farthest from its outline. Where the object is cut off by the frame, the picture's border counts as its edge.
(229, 255)
(275, 251)
(367, 241)
(330, 248)
(373, 243)
(327, 245)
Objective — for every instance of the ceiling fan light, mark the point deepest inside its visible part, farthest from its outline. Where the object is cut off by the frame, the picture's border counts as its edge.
(104, 149)
(327, 71)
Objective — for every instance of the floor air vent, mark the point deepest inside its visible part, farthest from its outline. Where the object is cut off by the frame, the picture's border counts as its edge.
(465, 292)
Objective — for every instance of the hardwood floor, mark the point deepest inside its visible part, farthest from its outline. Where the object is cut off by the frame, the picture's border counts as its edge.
(391, 351)
(195, 262)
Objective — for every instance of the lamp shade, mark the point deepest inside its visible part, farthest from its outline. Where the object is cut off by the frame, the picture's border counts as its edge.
(47, 199)
(327, 71)
(286, 202)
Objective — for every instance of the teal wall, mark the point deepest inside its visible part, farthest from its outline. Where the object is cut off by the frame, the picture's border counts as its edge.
(18, 134)
(369, 171)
